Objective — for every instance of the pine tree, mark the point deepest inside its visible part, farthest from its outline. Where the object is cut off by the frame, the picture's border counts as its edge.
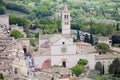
(91, 39)
(86, 39)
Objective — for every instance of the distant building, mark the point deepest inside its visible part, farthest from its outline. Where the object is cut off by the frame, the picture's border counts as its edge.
(104, 40)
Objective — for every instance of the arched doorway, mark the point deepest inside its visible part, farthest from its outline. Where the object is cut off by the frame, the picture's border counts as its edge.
(25, 50)
(64, 62)
(46, 64)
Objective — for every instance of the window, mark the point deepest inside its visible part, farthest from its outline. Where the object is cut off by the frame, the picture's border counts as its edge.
(16, 71)
(67, 16)
(63, 42)
(64, 16)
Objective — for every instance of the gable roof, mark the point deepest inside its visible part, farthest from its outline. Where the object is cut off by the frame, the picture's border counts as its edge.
(55, 38)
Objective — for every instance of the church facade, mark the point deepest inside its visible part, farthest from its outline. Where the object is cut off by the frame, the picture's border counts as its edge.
(59, 49)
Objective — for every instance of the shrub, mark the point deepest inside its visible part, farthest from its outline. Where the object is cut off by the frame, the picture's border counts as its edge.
(83, 62)
(78, 69)
(16, 34)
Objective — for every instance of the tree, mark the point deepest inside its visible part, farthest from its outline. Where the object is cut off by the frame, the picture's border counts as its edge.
(78, 35)
(102, 48)
(86, 39)
(78, 69)
(102, 29)
(21, 22)
(117, 25)
(2, 10)
(116, 39)
(16, 34)
(99, 67)
(114, 68)
(2, 7)
(1, 2)
(91, 39)
(83, 62)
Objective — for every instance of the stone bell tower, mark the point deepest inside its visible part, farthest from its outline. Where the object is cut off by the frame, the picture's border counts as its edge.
(65, 21)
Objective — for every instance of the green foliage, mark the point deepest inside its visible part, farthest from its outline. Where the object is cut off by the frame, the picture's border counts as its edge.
(78, 35)
(78, 69)
(2, 10)
(36, 35)
(16, 34)
(91, 39)
(114, 68)
(83, 62)
(1, 2)
(103, 29)
(49, 26)
(2, 7)
(75, 40)
(116, 40)
(17, 7)
(99, 67)
(42, 11)
(21, 22)
(102, 48)
(117, 25)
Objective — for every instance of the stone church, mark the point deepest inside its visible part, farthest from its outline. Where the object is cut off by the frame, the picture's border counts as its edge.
(59, 49)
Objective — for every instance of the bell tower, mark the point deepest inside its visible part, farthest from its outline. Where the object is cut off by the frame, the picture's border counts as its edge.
(65, 21)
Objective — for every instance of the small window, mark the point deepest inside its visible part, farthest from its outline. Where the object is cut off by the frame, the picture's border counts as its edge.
(67, 16)
(64, 16)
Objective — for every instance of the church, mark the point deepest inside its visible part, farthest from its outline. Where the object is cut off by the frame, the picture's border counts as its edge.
(60, 50)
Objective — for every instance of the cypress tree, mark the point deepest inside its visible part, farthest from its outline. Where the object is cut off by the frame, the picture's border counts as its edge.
(86, 39)
(117, 27)
(78, 35)
(91, 39)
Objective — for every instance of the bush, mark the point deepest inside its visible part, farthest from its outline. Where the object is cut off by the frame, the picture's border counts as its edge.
(16, 34)
(78, 69)
(83, 62)
(102, 48)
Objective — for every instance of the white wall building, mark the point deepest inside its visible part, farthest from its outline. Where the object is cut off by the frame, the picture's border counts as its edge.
(59, 49)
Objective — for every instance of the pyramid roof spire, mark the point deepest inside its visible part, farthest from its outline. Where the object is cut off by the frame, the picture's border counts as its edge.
(65, 9)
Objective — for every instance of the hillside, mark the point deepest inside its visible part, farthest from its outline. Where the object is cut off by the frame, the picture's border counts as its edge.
(100, 9)
(98, 17)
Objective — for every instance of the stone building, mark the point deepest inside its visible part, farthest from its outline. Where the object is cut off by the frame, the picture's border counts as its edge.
(59, 49)
(104, 40)
(12, 61)
(106, 60)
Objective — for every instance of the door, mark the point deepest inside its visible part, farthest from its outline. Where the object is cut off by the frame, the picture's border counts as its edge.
(64, 64)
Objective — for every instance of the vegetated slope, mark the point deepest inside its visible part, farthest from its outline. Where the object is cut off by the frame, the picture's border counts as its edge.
(84, 13)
